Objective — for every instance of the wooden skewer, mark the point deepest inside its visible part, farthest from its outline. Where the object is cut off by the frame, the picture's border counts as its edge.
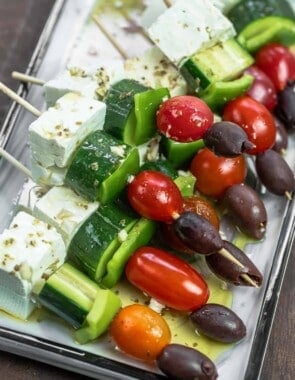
(15, 162)
(168, 3)
(27, 78)
(7, 91)
(110, 37)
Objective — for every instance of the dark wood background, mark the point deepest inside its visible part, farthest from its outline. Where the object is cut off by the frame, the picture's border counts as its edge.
(21, 22)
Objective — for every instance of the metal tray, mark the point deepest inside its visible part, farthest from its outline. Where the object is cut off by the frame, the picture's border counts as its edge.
(67, 30)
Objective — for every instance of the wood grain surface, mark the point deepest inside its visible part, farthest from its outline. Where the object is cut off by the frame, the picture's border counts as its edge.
(21, 22)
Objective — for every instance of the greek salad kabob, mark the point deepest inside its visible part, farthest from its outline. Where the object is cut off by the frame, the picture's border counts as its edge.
(178, 350)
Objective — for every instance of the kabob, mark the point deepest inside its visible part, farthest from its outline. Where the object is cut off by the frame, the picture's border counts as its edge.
(178, 219)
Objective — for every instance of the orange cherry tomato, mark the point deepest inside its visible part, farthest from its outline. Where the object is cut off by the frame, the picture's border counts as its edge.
(140, 332)
(215, 174)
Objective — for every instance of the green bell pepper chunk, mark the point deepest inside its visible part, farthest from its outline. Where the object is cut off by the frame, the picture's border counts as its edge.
(178, 153)
(219, 93)
(103, 310)
(139, 236)
(265, 30)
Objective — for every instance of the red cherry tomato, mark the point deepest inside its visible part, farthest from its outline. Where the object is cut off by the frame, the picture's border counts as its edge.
(155, 196)
(277, 62)
(167, 278)
(255, 119)
(195, 204)
(184, 118)
(140, 331)
(215, 174)
(262, 89)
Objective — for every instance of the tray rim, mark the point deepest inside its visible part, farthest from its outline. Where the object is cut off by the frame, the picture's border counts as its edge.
(92, 364)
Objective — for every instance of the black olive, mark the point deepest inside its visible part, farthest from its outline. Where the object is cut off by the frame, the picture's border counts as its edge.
(274, 172)
(227, 139)
(285, 109)
(232, 272)
(281, 143)
(185, 363)
(197, 233)
(219, 323)
(246, 209)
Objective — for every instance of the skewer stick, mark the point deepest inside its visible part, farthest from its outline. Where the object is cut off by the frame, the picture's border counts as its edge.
(15, 162)
(110, 37)
(11, 94)
(168, 3)
(27, 78)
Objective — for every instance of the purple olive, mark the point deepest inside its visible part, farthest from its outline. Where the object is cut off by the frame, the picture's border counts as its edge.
(197, 233)
(274, 172)
(219, 323)
(281, 143)
(246, 209)
(285, 109)
(227, 139)
(185, 363)
(245, 274)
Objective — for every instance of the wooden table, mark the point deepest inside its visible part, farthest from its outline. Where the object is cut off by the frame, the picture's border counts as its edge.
(21, 22)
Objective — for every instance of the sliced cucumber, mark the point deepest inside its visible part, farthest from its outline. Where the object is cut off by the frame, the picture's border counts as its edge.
(160, 165)
(74, 297)
(222, 62)
(98, 239)
(101, 167)
(246, 11)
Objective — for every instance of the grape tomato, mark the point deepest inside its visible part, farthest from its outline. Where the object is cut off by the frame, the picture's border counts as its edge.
(255, 119)
(214, 174)
(167, 278)
(277, 62)
(184, 118)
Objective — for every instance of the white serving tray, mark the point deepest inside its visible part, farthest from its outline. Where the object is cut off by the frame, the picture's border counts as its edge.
(69, 36)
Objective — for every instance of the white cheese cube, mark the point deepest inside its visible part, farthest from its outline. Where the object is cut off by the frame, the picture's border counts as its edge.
(56, 134)
(90, 82)
(30, 250)
(65, 210)
(188, 26)
(50, 176)
(153, 69)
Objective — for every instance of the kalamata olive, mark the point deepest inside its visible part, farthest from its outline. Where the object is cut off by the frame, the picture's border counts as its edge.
(246, 209)
(281, 143)
(230, 271)
(274, 172)
(185, 363)
(219, 323)
(285, 109)
(227, 139)
(197, 233)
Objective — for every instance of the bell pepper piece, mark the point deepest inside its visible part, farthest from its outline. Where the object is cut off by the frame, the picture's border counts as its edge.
(219, 93)
(265, 30)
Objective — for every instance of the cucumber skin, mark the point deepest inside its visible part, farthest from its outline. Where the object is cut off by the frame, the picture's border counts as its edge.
(120, 102)
(247, 11)
(95, 163)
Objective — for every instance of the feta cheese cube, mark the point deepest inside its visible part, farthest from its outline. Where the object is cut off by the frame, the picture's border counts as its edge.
(90, 82)
(50, 176)
(30, 250)
(65, 210)
(188, 26)
(56, 134)
(153, 69)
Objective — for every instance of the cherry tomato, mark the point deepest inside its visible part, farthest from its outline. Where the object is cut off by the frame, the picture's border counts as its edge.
(140, 331)
(215, 174)
(195, 204)
(167, 278)
(184, 118)
(155, 196)
(277, 62)
(255, 119)
(262, 89)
